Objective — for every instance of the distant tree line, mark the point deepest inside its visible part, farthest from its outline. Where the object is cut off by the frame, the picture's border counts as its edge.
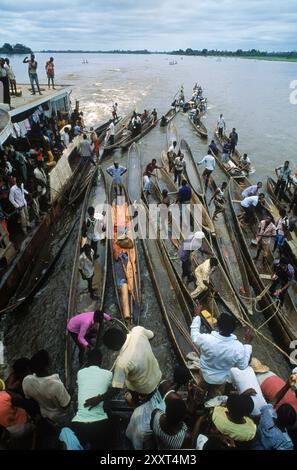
(8, 49)
(237, 53)
(188, 52)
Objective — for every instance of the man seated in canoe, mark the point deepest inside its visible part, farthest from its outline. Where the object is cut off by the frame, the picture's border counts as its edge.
(136, 368)
(213, 147)
(136, 124)
(116, 171)
(220, 351)
(245, 163)
(202, 275)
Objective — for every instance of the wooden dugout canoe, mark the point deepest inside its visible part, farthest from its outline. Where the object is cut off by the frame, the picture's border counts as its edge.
(176, 312)
(146, 127)
(134, 181)
(282, 322)
(199, 127)
(124, 261)
(171, 113)
(228, 299)
(79, 298)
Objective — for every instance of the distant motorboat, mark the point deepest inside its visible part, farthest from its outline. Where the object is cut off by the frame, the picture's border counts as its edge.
(173, 62)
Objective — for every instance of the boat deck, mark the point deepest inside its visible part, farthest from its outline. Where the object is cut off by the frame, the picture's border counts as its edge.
(27, 100)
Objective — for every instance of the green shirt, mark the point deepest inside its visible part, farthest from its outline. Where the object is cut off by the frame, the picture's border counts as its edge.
(91, 381)
(284, 173)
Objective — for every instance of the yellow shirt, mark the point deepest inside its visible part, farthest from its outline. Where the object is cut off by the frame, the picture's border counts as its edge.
(136, 366)
(202, 273)
(239, 432)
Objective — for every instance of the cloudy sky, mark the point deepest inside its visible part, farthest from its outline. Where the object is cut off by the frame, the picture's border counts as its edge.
(151, 24)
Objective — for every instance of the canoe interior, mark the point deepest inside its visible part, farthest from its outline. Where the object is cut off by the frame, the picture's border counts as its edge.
(147, 126)
(191, 172)
(125, 269)
(134, 179)
(199, 127)
(283, 323)
(79, 297)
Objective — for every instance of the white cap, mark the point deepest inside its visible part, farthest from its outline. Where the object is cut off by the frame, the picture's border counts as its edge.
(199, 235)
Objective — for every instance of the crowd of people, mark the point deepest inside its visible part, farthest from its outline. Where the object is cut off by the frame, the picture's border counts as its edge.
(25, 163)
(230, 400)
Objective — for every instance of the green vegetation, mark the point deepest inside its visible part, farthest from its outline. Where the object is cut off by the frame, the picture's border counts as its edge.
(8, 49)
(239, 53)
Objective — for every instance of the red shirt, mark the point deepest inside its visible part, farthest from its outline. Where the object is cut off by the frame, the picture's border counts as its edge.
(10, 414)
(271, 386)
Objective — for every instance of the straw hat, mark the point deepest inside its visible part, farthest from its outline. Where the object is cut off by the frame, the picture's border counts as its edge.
(258, 367)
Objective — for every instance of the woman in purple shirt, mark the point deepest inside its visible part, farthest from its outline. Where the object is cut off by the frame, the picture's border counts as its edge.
(83, 327)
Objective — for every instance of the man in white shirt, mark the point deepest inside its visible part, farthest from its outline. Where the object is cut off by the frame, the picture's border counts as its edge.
(221, 125)
(220, 350)
(65, 137)
(17, 198)
(116, 171)
(245, 163)
(251, 190)
(210, 164)
(86, 268)
(86, 151)
(91, 425)
(249, 204)
(136, 367)
(47, 390)
(111, 131)
(172, 154)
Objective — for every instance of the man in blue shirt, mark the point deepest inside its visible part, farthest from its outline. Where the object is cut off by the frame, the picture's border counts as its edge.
(271, 432)
(184, 193)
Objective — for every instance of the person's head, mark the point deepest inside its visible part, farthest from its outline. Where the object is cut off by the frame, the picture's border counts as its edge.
(91, 211)
(233, 130)
(261, 197)
(213, 262)
(154, 161)
(245, 156)
(239, 406)
(7, 60)
(286, 416)
(268, 219)
(259, 184)
(184, 182)
(181, 155)
(21, 367)
(174, 143)
(32, 56)
(116, 164)
(18, 182)
(175, 409)
(282, 212)
(114, 339)
(164, 193)
(209, 152)
(40, 362)
(87, 249)
(66, 130)
(286, 164)
(283, 263)
(51, 59)
(181, 375)
(212, 142)
(85, 136)
(224, 185)
(94, 358)
(215, 443)
(221, 115)
(226, 324)
(98, 316)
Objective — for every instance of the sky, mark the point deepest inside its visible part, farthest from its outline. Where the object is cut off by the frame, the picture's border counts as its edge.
(150, 24)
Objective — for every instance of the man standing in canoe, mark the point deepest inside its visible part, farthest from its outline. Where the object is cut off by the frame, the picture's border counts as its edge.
(172, 154)
(116, 171)
(283, 174)
(284, 275)
(210, 164)
(221, 125)
(266, 231)
(233, 139)
(86, 268)
(86, 151)
(148, 173)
